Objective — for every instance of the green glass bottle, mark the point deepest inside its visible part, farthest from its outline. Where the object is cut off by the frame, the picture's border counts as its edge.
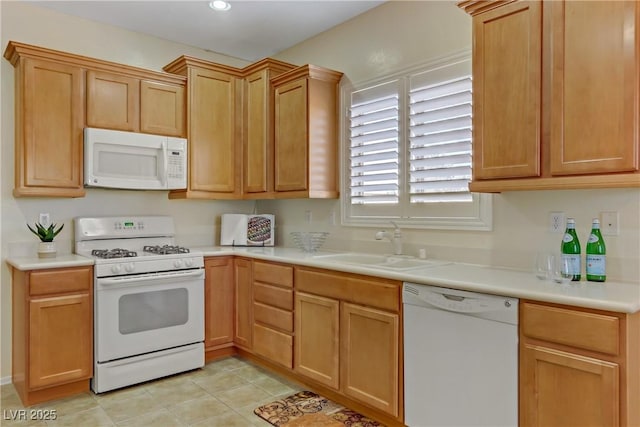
(596, 255)
(570, 249)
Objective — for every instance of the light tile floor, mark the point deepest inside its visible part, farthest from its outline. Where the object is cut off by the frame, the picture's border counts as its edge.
(223, 393)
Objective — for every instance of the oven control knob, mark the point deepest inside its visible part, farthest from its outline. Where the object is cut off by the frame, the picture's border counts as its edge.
(177, 263)
(129, 267)
(116, 268)
(188, 262)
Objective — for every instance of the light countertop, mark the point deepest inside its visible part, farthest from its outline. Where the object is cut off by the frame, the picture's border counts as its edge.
(613, 296)
(60, 261)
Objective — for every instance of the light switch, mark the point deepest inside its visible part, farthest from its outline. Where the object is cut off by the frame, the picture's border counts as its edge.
(609, 223)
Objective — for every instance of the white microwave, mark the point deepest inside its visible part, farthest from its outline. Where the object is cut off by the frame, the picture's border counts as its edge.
(134, 161)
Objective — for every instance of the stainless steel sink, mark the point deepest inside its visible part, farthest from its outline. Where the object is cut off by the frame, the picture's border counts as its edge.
(389, 262)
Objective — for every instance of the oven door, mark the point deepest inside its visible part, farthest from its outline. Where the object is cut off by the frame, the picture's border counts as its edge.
(141, 314)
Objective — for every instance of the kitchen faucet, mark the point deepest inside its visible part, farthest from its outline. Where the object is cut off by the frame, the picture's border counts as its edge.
(395, 238)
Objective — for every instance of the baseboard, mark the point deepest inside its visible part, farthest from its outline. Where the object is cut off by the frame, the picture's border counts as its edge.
(5, 380)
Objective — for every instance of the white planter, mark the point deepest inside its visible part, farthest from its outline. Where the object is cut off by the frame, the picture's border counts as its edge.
(46, 250)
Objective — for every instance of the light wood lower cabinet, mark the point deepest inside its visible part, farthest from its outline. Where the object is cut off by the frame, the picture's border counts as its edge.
(52, 339)
(369, 356)
(317, 350)
(347, 330)
(273, 312)
(578, 367)
(218, 303)
(243, 297)
(568, 389)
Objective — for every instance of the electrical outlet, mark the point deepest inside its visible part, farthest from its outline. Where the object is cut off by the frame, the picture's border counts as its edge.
(609, 223)
(307, 216)
(44, 219)
(557, 222)
(332, 218)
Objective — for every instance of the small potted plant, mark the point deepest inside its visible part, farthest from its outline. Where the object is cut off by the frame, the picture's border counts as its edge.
(46, 247)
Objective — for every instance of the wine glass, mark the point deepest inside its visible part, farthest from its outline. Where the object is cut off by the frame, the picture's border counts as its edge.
(544, 265)
(561, 272)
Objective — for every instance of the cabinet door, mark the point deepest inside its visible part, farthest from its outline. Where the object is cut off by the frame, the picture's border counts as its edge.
(316, 353)
(562, 389)
(291, 137)
(49, 125)
(595, 86)
(113, 101)
(213, 156)
(60, 340)
(243, 303)
(369, 356)
(218, 301)
(258, 147)
(507, 91)
(162, 108)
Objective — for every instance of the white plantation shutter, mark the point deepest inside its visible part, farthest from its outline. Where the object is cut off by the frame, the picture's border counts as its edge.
(440, 142)
(374, 145)
(408, 147)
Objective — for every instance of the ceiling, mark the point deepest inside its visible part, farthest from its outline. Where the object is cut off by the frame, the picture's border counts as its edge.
(251, 30)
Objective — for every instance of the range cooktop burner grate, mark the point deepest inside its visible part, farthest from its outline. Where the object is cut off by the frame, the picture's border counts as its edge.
(113, 253)
(166, 250)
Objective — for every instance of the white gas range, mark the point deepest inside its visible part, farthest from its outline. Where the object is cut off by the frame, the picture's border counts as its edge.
(148, 299)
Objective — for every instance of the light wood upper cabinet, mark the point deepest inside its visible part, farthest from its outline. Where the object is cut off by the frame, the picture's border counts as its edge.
(213, 129)
(162, 108)
(113, 101)
(578, 367)
(128, 103)
(49, 102)
(257, 166)
(556, 94)
(219, 294)
(52, 336)
(506, 91)
(595, 79)
(306, 133)
(58, 94)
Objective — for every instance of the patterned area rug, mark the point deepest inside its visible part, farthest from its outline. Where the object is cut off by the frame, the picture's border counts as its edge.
(306, 409)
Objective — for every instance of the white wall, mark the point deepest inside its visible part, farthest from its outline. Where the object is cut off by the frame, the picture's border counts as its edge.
(195, 220)
(401, 34)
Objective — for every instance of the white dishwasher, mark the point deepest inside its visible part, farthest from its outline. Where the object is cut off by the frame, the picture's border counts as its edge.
(460, 358)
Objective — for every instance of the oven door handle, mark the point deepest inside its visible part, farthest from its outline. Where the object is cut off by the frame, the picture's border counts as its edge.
(180, 276)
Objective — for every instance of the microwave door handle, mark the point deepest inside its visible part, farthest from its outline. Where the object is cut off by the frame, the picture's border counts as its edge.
(165, 157)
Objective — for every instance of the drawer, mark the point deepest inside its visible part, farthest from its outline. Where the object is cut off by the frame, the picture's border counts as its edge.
(365, 290)
(272, 316)
(273, 345)
(275, 274)
(576, 328)
(272, 295)
(62, 280)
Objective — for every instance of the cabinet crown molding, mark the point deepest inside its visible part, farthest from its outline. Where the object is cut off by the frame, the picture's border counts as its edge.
(183, 62)
(474, 7)
(16, 50)
(268, 64)
(310, 71)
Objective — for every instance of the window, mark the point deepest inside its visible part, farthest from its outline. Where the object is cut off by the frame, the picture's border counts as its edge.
(407, 150)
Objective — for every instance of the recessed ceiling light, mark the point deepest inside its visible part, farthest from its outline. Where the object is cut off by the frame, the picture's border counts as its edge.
(219, 5)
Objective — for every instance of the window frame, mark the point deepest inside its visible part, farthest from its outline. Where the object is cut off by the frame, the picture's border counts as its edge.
(477, 215)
